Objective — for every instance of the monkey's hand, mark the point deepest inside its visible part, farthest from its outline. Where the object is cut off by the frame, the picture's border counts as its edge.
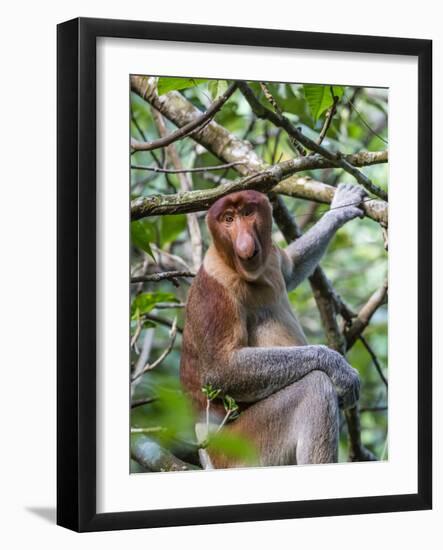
(347, 202)
(345, 379)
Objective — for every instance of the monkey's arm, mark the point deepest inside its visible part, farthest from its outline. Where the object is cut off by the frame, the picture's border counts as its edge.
(250, 374)
(302, 256)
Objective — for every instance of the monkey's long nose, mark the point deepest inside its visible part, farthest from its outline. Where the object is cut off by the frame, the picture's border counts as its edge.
(245, 246)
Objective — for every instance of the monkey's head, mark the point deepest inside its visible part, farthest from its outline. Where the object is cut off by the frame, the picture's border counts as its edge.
(241, 225)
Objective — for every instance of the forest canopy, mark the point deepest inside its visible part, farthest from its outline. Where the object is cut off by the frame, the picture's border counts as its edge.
(194, 140)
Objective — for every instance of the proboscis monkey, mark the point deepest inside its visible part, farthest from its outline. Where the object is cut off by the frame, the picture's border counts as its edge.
(242, 337)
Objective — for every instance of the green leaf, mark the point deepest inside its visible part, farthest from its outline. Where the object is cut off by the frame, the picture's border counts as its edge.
(210, 392)
(166, 84)
(233, 446)
(229, 403)
(170, 227)
(142, 233)
(213, 88)
(145, 302)
(320, 98)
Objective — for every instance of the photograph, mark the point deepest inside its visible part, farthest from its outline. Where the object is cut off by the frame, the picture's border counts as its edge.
(258, 276)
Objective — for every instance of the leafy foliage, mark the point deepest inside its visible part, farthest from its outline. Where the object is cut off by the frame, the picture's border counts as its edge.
(146, 301)
(320, 98)
(356, 261)
(166, 84)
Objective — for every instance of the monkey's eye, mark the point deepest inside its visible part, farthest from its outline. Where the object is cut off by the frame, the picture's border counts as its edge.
(248, 212)
(228, 218)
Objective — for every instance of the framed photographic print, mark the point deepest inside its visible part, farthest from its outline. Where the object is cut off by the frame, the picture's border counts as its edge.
(234, 208)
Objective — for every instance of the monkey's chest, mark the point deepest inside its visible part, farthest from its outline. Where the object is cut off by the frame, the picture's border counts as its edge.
(275, 325)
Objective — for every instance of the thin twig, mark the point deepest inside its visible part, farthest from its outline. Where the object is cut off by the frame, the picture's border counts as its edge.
(329, 117)
(364, 121)
(160, 320)
(143, 357)
(187, 128)
(185, 170)
(153, 429)
(308, 216)
(374, 359)
(166, 352)
(268, 95)
(141, 402)
(169, 305)
(168, 255)
(137, 333)
(355, 328)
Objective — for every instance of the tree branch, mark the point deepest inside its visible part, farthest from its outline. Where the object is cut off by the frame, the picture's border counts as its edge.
(331, 112)
(166, 352)
(137, 83)
(374, 359)
(140, 402)
(361, 321)
(185, 170)
(160, 320)
(225, 145)
(282, 122)
(157, 277)
(186, 186)
(267, 179)
(194, 201)
(151, 456)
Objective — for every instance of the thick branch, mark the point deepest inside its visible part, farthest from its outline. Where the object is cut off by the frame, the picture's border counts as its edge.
(157, 277)
(194, 201)
(357, 453)
(304, 188)
(149, 454)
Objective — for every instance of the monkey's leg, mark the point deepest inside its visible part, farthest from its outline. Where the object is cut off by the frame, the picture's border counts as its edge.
(316, 425)
(296, 425)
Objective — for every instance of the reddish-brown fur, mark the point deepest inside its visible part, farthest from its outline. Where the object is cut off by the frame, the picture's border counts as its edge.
(211, 317)
(215, 315)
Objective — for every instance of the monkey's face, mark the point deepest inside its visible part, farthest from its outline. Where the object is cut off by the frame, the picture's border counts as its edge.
(241, 226)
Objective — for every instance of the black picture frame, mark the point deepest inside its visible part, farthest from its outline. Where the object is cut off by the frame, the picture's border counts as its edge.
(76, 265)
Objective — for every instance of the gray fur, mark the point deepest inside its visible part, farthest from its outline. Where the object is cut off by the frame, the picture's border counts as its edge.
(255, 373)
(306, 252)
